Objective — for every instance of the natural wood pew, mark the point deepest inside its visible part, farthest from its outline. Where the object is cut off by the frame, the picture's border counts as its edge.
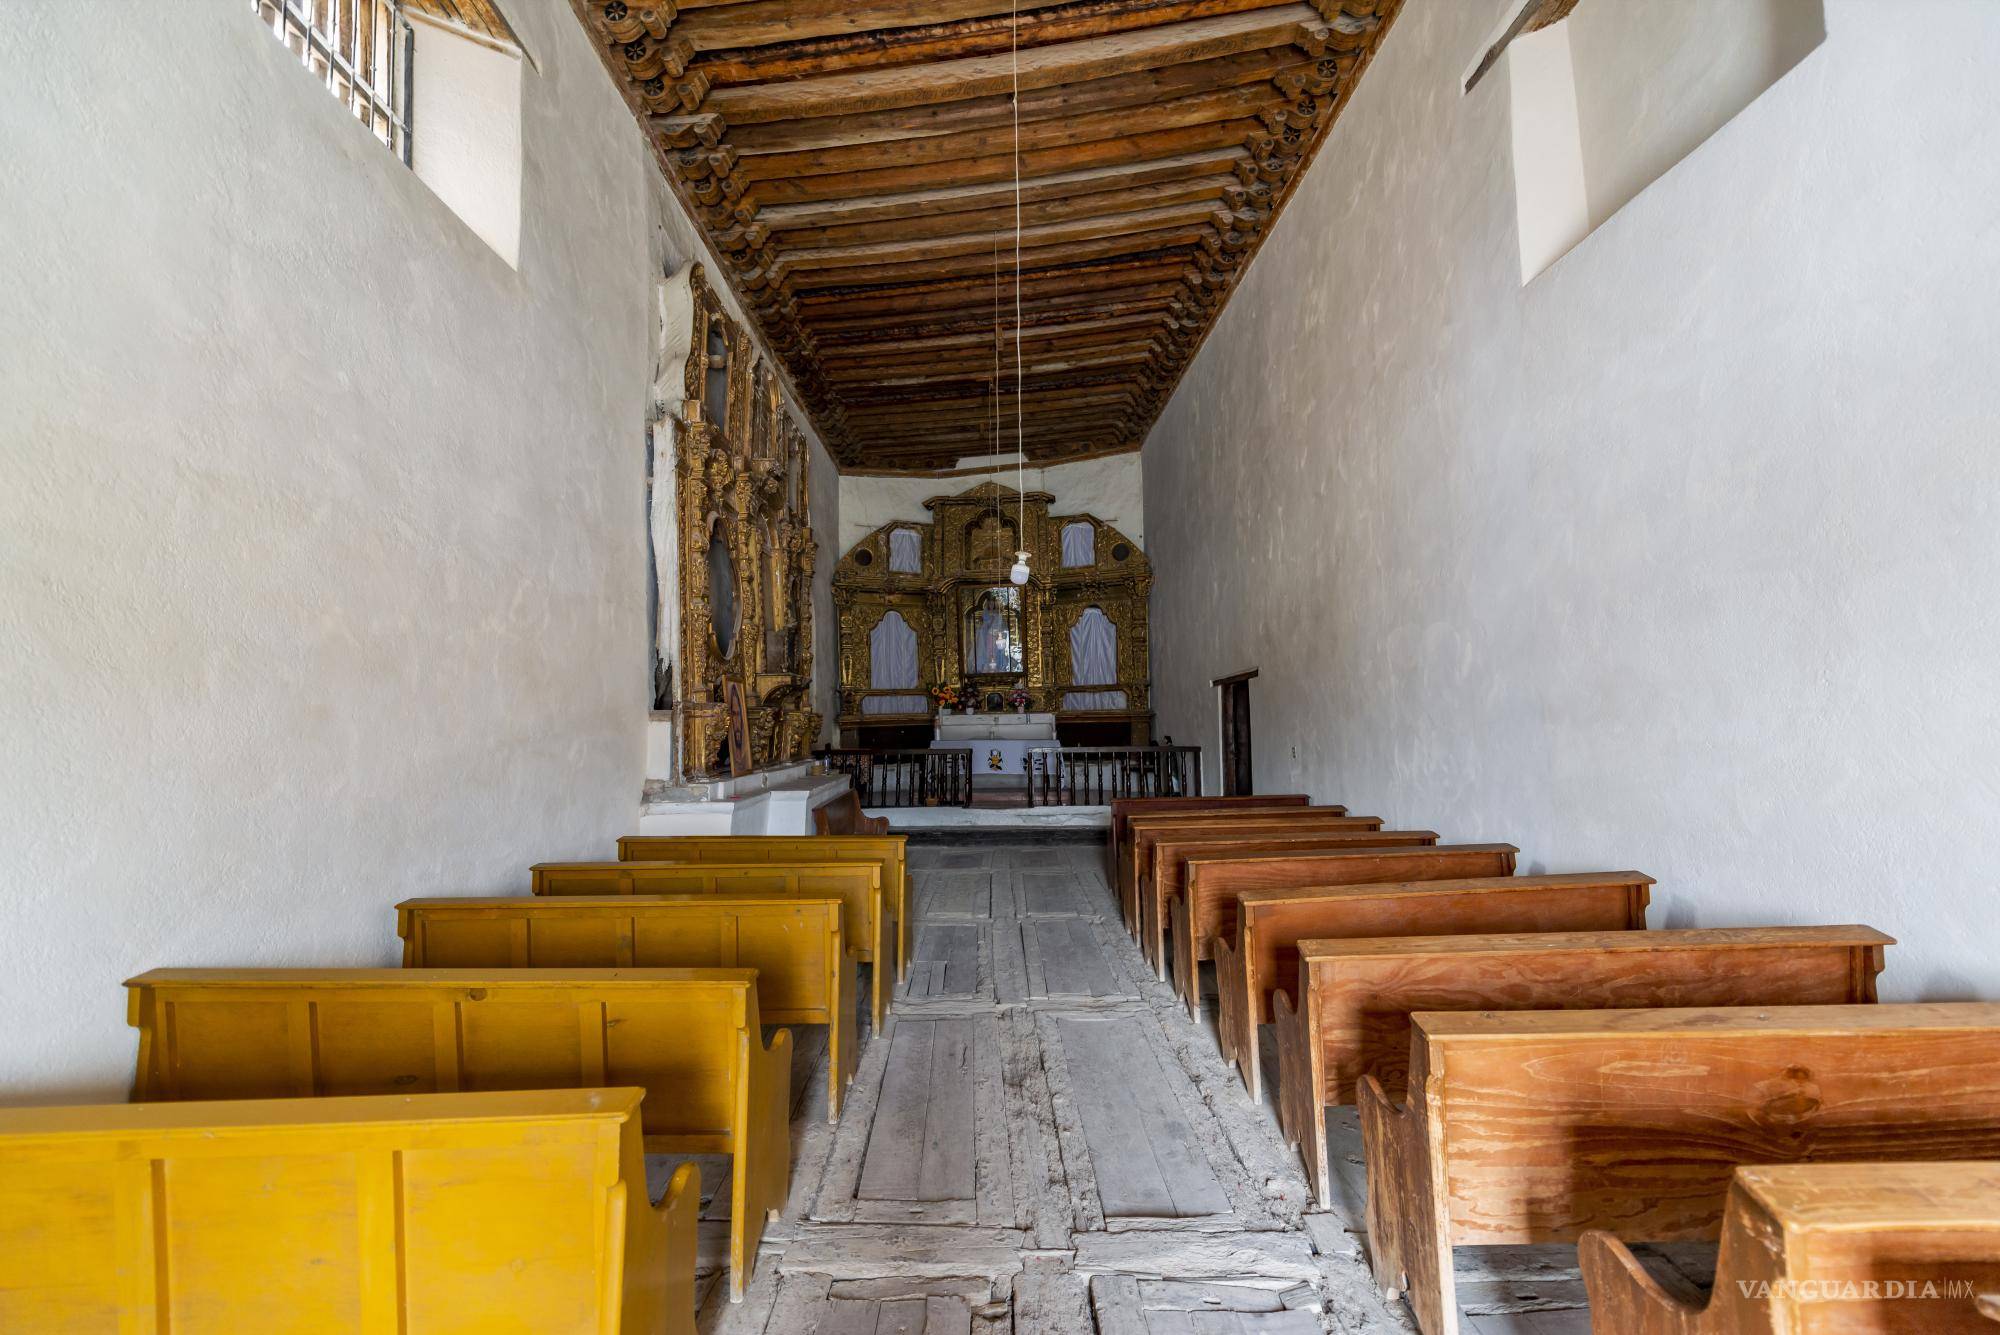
(870, 921)
(1205, 909)
(1156, 875)
(692, 1038)
(1117, 847)
(1358, 994)
(1260, 954)
(433, 1212)
(805, 973)
(844, 815)
(889, 850)
(1825, 1249)
(1528, 1127)
(1136, 868)
(1164, 883)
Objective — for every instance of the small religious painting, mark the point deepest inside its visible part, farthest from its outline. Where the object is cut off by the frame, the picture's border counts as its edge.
(739, 730)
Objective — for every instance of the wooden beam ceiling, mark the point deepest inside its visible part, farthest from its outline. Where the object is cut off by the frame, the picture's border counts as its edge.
(852, 163)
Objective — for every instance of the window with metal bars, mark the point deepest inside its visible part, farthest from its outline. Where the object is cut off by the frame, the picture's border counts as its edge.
(360, 49)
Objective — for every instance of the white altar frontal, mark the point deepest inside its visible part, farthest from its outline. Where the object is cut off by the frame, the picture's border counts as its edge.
(999, 743)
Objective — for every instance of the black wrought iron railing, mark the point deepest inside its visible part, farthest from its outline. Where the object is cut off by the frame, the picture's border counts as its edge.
(927, 778)
(1079, 776)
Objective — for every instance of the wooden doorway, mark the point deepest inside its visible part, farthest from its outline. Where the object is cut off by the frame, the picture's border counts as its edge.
(1235, 701)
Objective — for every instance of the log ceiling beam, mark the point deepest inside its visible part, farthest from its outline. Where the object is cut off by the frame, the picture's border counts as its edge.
(852, 162)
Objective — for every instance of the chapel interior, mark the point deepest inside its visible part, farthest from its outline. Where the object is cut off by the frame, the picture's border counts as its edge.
(1000, 667)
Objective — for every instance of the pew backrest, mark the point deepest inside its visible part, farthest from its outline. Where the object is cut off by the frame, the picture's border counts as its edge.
(1124, 808)
(375, 1214)
(691, 1038)
(1346, 1012)
(1158, 845)
(890, 851)
(1142, 828)
(1211, 886)
(304, 1033)
(871, 924)
(1825, 1249)
(1262, 954)
(1531, 1127)
(1167, 876)
(1125, 870)
(797, 946)
(1362, 992)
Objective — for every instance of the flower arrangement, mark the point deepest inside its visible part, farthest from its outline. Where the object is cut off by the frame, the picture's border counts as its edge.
(946, 695)
(1018, 698)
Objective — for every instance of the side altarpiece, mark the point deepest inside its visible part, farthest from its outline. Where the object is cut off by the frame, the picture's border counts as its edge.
(733, 550)
(927, 604)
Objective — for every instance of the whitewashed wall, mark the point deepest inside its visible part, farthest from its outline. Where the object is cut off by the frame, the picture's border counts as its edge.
(1112, 488)
(322, 530)
(1683, 557)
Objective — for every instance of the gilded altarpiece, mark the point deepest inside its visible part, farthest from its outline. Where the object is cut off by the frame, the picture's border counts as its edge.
(733, 540)
(947, 579)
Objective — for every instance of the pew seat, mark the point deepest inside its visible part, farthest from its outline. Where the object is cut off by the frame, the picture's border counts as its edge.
(1356, 995)
(889, 851)
(805, 973)
(869, 910)
(458, 1214)
(1123, 809)
(1141, 887)
(691, 1038)
(1535, 1127)
(1205, 910)
(1825, 1249)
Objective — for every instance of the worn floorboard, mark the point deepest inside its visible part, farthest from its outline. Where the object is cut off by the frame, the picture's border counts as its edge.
(1042, 1142)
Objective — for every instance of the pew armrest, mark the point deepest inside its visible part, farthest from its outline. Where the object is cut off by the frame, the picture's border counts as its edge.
(844, 1030)
(1624, 1298)
(1301, 1118)
(763, 1150)
(677, 1220)
(1409, 1234)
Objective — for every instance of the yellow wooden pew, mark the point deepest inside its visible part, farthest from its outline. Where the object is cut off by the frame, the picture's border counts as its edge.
(690, 1037)
(890, 850)
(805, 974)
(869, 908)
(454, 1214)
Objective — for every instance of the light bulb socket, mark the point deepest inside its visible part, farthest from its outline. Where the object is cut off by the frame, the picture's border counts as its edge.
(1019, 574)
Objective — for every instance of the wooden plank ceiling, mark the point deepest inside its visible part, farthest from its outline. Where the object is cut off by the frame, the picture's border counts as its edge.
(852, 163)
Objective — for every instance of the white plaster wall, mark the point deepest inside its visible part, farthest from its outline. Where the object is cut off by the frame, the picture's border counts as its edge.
(322, 531)
(468, 103)
(1112, 488)
(1654, 80)
(1682, 557)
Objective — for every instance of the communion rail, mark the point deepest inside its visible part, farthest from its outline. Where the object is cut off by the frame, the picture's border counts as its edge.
(1092, 776)
(929, 778)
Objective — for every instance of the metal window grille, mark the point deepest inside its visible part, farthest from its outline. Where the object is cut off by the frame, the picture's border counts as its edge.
(361, 50)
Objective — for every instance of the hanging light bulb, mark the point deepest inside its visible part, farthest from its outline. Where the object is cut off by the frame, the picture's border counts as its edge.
(1019, 574)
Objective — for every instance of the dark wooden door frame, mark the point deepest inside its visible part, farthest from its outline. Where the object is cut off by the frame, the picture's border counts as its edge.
(1233, 704)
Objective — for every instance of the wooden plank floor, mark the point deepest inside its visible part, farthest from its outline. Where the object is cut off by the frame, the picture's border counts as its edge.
(1043, 1143)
